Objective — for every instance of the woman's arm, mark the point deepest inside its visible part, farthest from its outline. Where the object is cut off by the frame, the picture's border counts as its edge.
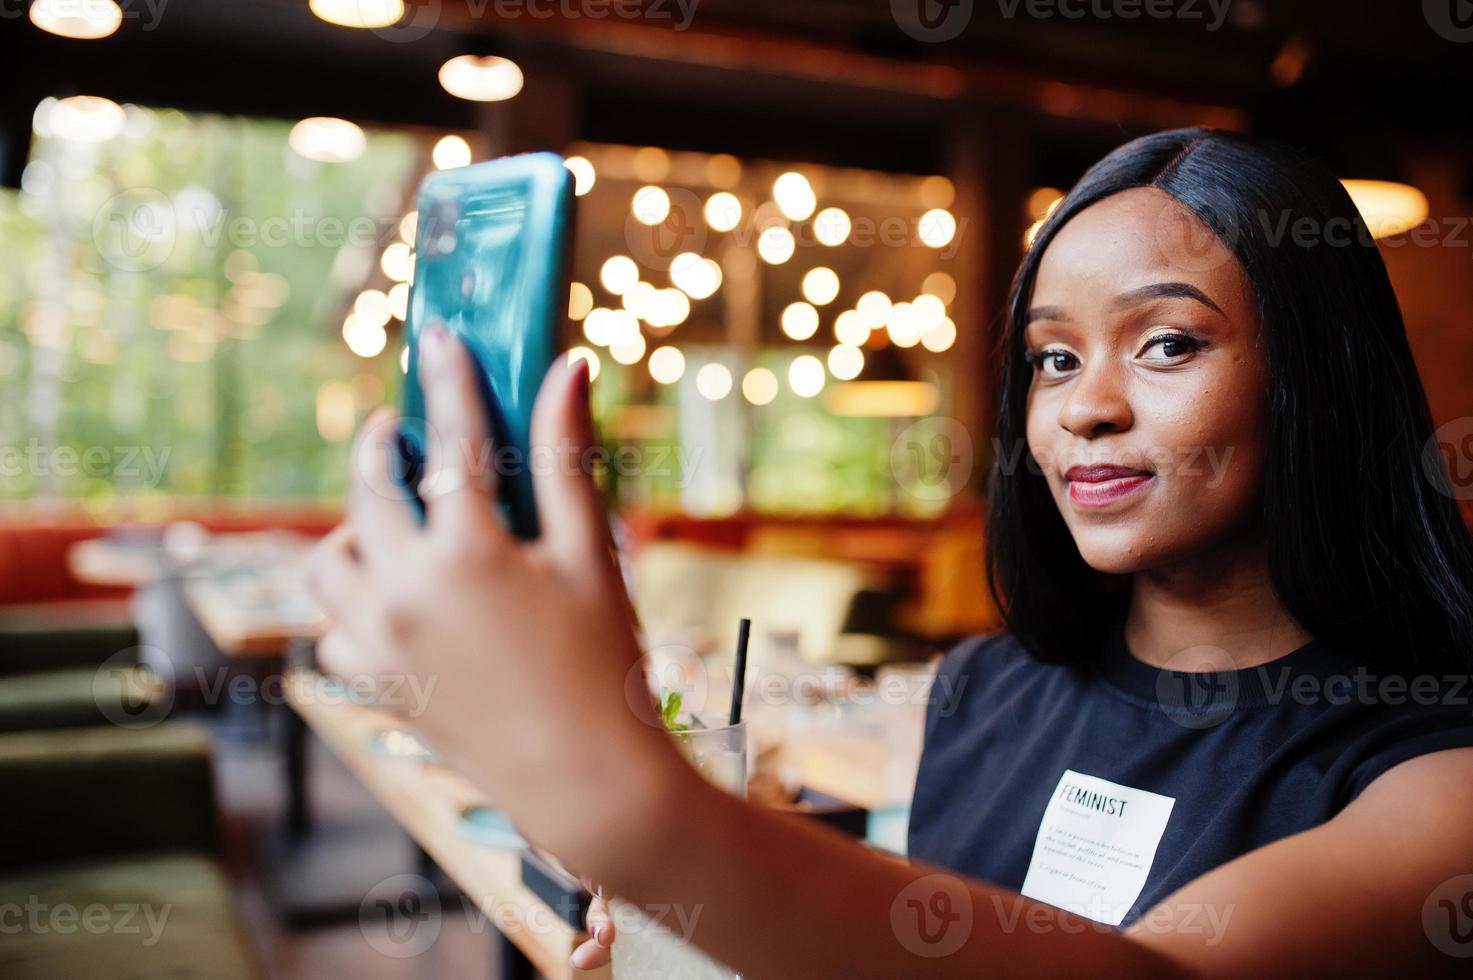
(530, 653)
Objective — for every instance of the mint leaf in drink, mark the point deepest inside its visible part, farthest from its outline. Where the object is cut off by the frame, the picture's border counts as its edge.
(670, 710)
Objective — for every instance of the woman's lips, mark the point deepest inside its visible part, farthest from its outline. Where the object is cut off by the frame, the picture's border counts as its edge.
(1101, 485)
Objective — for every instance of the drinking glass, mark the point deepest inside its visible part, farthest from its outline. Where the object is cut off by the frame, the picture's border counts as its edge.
(648, 950)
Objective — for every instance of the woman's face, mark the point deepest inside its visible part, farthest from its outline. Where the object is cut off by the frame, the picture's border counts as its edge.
(1147, 406)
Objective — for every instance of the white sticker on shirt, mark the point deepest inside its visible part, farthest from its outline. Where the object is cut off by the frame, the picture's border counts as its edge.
(1095, 846)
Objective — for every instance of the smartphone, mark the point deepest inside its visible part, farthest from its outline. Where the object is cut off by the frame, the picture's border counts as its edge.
(491, 265)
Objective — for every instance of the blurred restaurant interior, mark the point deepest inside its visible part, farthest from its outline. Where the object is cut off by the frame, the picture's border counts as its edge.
(796, 226)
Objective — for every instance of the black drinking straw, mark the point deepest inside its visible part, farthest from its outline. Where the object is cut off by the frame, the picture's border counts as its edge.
(739, 681)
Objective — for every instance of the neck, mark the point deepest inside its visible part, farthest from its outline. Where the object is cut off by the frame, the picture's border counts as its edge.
(1217, 611)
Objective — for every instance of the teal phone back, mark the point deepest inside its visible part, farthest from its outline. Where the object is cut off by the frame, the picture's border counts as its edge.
(491, 266)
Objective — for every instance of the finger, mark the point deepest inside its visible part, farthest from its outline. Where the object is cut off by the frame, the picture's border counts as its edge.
(333, 572)
(600, 923)
(355, 661)
(590, 955)
(458, 488)
(378, 508)
(571, 513)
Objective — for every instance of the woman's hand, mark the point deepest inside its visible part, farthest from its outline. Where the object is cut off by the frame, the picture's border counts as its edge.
(526, 650)
(594, 951)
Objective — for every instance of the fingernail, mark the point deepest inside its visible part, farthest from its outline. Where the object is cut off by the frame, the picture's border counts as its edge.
(584, 382)
(432, 344)
(601, 935)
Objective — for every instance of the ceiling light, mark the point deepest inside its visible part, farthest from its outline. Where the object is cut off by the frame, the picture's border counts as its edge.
(713, 381)
(806, 376)
(85, 119)
(359, 13)
(452, 151)
(723, 211)
(619, 274)
(84, 20)
(794, 195)
(775, 245)
(667, 364)
(583, 173)
(820, 286)
(328, 140)
(1388, 207)
(651, 205)
(488, 79)
(936, 228)
(831, 227)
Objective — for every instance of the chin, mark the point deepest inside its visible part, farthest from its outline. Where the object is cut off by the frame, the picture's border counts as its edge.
(1116, 550)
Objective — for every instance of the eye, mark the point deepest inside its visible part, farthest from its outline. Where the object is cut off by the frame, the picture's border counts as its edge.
(1052, 362)
(1172, 346)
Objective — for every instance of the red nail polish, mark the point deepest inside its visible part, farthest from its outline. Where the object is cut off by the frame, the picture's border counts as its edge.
(432, 341)
(584, 382)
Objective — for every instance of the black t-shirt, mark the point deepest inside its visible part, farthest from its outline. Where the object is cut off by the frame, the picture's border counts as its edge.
(1104, 788)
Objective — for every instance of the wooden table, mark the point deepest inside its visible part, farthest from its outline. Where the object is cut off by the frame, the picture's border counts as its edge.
(424, 799)
(116, 564)
(241, 627)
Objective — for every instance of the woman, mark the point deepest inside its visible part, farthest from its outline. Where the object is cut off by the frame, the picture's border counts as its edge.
(1211, 461)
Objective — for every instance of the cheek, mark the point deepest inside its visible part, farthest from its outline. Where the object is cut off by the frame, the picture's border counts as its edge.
(1041, 431)
(1215, 437)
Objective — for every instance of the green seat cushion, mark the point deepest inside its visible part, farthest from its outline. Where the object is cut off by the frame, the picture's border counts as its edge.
(27, 646)
(89, 791)
(160, 914)
(68, 698)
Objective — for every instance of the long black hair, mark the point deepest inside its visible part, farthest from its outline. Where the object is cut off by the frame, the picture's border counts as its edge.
(1366, 547)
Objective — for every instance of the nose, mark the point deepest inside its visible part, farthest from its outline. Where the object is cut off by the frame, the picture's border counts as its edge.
(1096, 402)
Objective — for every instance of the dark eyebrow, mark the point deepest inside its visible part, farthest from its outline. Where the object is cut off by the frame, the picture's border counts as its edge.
(1164, 290)
(1044, 313)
